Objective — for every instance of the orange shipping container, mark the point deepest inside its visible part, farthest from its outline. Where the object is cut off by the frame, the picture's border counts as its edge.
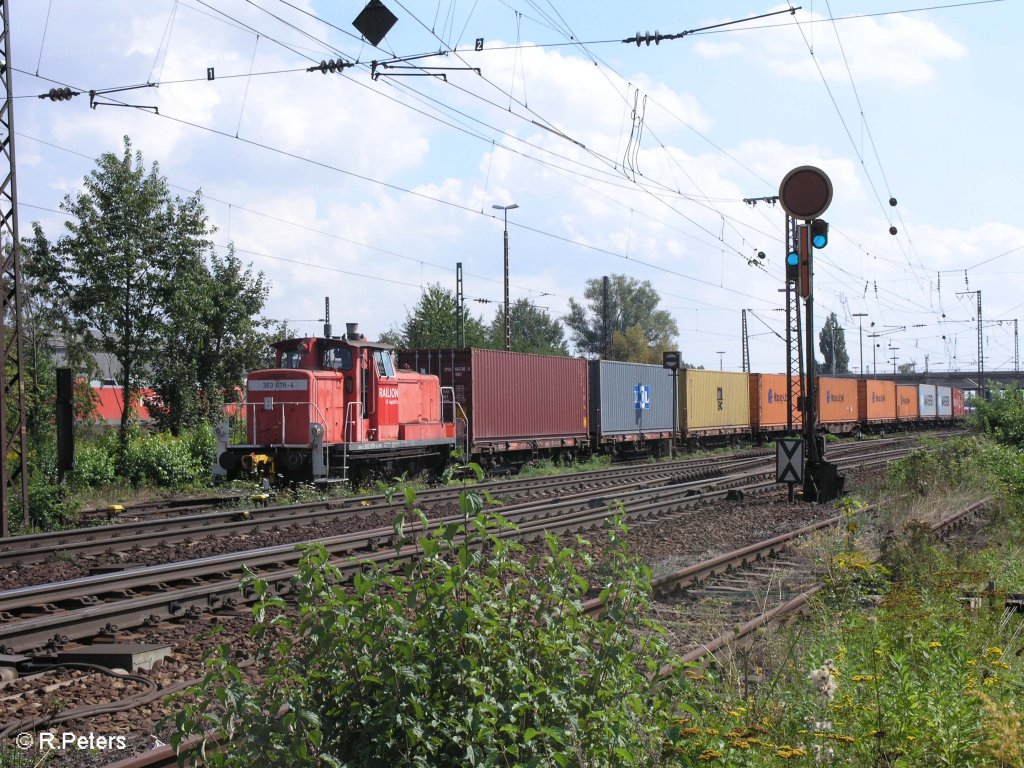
(837, 401)
(769, 402)
(906, 402)
(876, 400)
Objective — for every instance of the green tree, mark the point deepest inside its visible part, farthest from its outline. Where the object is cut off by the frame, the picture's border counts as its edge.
(630, 303)
(631, 345)
(434, 322)
(832, 343)
(116, 271)
(277, 330)
(531, 330)
(212, 337)
(475, 654)
(46, 346)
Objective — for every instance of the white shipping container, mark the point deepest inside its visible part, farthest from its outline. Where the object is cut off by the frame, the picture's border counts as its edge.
(926, 401)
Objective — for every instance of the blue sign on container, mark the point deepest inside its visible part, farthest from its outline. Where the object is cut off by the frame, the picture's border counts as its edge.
(642, 397)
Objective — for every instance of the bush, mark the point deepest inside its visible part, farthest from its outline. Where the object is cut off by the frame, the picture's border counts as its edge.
(162, 459)
(473, 655)
(50, 509)
(94, 466)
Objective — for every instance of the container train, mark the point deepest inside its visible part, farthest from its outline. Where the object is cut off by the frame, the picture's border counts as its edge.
(339, 408)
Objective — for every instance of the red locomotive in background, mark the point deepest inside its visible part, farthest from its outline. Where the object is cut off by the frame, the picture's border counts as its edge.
(333, 407)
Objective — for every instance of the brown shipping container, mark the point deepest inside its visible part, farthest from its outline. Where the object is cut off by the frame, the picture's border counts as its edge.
(876, 400)
(511, 399)
(906, 401)
(958, 403)
(769, 404)
(837, 400)
(713, 402)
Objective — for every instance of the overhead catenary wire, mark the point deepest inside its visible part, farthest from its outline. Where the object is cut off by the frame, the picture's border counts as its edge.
(570, 171)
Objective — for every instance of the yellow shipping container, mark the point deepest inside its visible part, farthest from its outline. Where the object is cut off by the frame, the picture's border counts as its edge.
(713, 402)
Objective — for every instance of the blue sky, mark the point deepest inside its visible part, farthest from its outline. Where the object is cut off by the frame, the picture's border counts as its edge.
(622, 158)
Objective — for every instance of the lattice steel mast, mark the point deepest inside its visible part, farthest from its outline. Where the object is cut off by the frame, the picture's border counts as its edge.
(13, 463)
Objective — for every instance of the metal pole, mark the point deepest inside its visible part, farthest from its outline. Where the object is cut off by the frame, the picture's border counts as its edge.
(460, 302)
(860, 327)
(508, 324)
(13, 430)
(1017, 350)
(675, 418)
(981, 352)
(720, 354)
(746, 343)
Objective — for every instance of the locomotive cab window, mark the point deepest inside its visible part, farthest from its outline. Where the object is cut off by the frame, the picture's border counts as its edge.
(291, 359)
(385, 365)
(338, 358)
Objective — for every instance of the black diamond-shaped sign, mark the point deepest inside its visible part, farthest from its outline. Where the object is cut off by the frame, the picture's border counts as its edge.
(374, 21)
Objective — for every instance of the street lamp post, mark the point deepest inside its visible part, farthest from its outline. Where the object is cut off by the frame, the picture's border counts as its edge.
(860, 328)
(508, 325)
(874, 352)
(720, 359)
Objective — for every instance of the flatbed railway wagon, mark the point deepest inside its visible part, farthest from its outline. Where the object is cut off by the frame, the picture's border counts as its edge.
(944, 404)
(927, 403)
(876, 404)
(907, 406)
(714, 406)
(630, 408)
(838, 409)
(769, 406)
(959, 411)
(335, 408)
(511, 406)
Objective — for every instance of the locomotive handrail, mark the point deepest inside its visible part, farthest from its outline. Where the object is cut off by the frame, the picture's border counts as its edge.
(346, 438)
(456, 409)
(312, 409)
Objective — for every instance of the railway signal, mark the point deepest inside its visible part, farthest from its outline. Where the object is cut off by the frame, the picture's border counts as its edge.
(819, 233)
(792, 265)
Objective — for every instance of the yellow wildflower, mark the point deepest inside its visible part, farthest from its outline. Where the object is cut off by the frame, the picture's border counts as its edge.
(934, 644)
(788, 752)
(709, 754)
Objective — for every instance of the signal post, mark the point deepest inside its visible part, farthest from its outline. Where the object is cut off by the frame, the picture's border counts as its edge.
(805, 193)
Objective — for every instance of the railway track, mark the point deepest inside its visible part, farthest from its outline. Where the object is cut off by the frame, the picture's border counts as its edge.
(106, 604)
(144, 534)
(751, 567)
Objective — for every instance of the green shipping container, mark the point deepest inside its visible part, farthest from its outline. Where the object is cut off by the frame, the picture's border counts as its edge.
(713, 403)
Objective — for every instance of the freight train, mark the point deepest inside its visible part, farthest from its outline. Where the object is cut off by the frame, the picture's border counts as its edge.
(340, 408)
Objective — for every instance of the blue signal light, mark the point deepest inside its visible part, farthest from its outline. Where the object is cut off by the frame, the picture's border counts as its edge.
(792, 259)
(819, 233)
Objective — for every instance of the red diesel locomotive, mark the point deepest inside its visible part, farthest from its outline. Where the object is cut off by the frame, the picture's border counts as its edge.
(333, 407)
